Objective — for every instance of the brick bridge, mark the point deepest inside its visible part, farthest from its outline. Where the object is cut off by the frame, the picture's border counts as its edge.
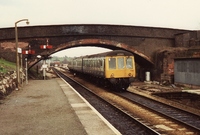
(154, 48)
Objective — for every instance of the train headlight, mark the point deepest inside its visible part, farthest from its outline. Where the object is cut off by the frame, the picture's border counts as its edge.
(112, 75)
(130, 74)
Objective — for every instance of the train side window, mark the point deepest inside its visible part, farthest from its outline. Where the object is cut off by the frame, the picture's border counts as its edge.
(129, 63)
(100, 63)
(120, 63)
(88, 63)
(112, 63)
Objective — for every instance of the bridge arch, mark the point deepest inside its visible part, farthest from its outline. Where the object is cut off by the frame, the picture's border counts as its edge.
(140, 58)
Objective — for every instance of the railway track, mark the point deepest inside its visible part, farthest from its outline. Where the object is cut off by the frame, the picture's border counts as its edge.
(179, 118)
(189, 119)
(126, 124)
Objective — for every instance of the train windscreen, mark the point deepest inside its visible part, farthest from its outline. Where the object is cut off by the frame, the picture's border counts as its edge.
(112, 63)
(129, 63)
(120, 63)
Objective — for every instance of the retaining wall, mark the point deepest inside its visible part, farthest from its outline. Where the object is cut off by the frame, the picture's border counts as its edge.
(7, 83)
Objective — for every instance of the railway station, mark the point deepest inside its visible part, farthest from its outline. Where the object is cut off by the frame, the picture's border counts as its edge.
(52, 106)
(99, 67)
(148, 67)
(101, 93)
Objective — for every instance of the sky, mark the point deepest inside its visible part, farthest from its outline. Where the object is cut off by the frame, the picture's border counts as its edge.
(178, 14)
(80, 51)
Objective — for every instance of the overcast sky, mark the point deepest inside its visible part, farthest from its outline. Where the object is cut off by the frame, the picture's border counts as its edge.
(181, 14)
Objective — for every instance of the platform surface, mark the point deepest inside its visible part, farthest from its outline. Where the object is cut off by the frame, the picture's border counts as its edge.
(50, 107)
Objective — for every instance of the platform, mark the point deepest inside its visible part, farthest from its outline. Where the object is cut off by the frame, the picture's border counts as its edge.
(193, 91)
(50, 107)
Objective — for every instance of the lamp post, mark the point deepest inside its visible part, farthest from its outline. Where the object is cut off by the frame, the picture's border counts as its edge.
(17, 56)
(26, 71)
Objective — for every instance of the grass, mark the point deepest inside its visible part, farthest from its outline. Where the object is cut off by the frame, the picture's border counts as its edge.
(6, 66)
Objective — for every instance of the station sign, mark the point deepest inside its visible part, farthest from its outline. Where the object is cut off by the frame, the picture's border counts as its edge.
(44, 66)
(19, 50)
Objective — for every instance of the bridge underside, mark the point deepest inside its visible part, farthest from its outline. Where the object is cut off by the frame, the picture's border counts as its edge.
(140, 58)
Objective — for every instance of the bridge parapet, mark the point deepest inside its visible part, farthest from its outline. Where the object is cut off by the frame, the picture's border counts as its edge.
(189, 39)
(88, 29)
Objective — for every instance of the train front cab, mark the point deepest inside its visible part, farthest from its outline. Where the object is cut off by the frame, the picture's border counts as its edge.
(120, 70)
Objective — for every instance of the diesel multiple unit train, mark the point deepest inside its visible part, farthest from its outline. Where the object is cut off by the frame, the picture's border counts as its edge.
(115, 68)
